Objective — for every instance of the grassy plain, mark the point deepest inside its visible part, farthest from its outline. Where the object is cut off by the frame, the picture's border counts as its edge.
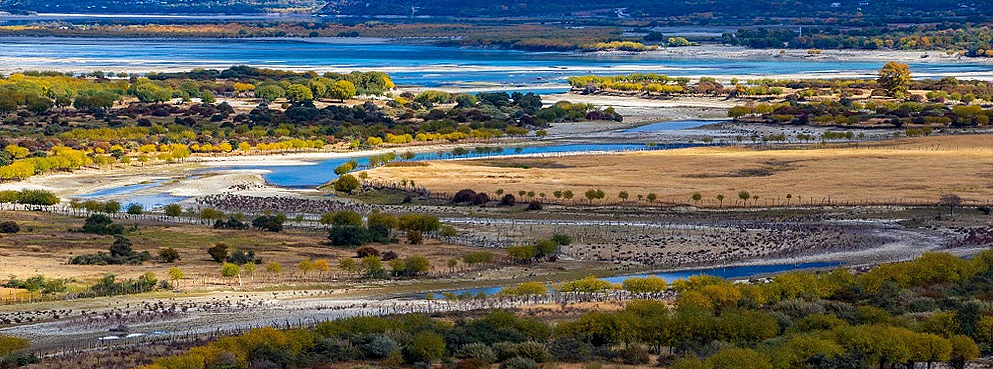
(909, 170)
(46, 242)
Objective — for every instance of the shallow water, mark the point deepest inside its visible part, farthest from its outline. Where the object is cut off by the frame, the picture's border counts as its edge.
(671, 126)
(736, 272)
(309, 176)
(122, 189)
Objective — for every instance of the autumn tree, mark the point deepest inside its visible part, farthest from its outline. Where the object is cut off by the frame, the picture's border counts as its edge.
(894, 77)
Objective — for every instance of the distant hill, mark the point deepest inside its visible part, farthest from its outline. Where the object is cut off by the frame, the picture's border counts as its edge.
(716, 10)
(695, 11)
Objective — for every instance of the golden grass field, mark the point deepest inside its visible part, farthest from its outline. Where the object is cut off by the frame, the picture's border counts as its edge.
(909, 170)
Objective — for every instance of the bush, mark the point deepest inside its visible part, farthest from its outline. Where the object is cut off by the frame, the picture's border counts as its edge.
(334, 350)
(571, 350)
(242, 257)
(478, 351)
(504, 350)
(471, 363)
(120, 253)
(348, 236)
(427, 346)
(101, 224)
(534, 350)
(507, 200)
(9, 226)
(231, 223)
(534, 206)
(466, 195)
(168, 254)
(346, 183)
(366, 251)
(414, 237)
(380, 347)
(271, 223)
(519, 363)
(634, 355)
(218, 252)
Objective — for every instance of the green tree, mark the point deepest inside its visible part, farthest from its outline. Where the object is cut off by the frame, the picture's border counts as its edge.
(346, 183)
(426, 346)
(173, 210)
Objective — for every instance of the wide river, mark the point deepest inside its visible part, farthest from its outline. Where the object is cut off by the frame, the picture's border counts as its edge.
(414, 64)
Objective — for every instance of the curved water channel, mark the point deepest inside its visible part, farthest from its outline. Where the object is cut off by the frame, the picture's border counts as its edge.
(733, 272)
(316, 173)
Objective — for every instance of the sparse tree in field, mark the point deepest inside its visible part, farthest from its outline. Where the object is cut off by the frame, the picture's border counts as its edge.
(720, 198)
(135, 209)
(322, 266)
(452, 263)
(250, 268)
(950, 200)
(744, 196)
(696, 198)
(789, 198)
(895, 78)
(175, 275)
(652, 197)
(567, 194)
(557, 194)
(305, 266)
(755, 199)
(348, 265)
(173, 210)
(623, 195)
(499, 192)
(521, 193)
(273, 268)
(229, 270)
(641, 197)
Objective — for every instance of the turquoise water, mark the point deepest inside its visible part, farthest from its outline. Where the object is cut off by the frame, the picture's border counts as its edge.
(122, 189)
(423, 65)
(737, 272)
(671, 125)
(308, 176)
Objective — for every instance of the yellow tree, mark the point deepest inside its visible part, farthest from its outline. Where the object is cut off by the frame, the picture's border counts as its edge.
(894, 77)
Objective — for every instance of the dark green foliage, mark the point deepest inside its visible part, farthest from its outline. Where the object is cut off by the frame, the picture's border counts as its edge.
(9, 226)
(349, 236)
(120, 253)
(109, 285)
(101, 224)
(271, 223)
(242, 257)
(218, 252)
(168, 254)
(231, 223)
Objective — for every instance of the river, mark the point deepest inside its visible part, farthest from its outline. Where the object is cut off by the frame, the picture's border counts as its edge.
(413, 64)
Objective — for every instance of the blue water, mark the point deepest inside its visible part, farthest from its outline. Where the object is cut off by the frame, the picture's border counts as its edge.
(308, 176)
(122, 189)
(422, 65)
(737, 272)
(671, 125)
(153, 201)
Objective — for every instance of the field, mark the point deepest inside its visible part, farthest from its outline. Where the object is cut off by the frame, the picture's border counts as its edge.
(46, 243)
(915, 170)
